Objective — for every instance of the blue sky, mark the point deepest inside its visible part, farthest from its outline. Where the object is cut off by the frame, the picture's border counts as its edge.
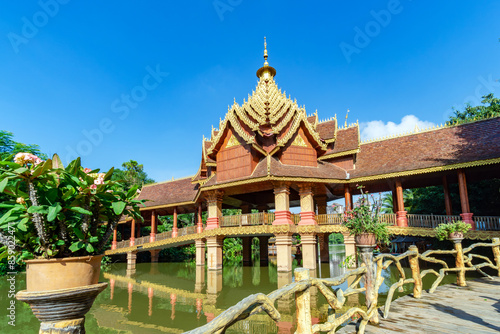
(120, 80)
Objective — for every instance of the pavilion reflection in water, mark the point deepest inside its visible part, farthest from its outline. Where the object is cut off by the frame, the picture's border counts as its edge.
(154, 299)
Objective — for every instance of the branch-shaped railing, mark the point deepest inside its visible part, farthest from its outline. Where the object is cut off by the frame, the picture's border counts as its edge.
(370, 272)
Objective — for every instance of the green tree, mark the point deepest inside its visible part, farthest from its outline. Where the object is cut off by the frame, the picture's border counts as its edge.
(386, 205)
(490, 108)
(9, 146)
(132, 174)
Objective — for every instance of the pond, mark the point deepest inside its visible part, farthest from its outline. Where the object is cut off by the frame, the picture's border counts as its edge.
(176, 297)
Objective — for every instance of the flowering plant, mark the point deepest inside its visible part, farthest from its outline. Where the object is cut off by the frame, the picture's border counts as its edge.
(365, 218)
(59, 211)
(444, 230)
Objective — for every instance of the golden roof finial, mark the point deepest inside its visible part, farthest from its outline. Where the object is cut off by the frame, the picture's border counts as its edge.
(265, 52)
(266, 70)
(346, 115)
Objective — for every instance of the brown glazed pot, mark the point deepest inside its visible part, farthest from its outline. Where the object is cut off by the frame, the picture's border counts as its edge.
(366, 239)
(64, 273)
(455, 235)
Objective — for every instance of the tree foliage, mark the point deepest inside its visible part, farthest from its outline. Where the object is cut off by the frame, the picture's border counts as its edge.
(132, 174)
(490, 108)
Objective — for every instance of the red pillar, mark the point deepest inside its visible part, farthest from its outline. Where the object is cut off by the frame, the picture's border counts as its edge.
(132, 233)
(348, 197)
(130, 287)
(401, 219)
(152, 235)
(199, 228)
(114, 243)
(173, 299)
(112, 287)
(174, 229)
(464, 199)
(447, 199)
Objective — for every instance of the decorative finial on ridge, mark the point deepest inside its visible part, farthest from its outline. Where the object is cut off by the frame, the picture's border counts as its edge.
(346, 115)
(265, 52)
(266, 70)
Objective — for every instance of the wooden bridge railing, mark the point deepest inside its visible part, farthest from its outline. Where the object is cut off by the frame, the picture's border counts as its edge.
(487, 223)
(430, 221)
(371, 275)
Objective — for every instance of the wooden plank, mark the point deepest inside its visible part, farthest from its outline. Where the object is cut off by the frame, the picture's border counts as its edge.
(451, 309)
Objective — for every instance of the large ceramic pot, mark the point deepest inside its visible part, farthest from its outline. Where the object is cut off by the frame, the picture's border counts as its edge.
(456, 236)
(366, 239)
(64, 273)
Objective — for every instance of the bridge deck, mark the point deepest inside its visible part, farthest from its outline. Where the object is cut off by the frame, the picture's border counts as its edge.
(472, 309)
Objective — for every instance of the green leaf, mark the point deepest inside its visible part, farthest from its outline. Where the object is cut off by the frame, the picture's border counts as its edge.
(76, 246)
(93, 239)
(53, 211)
(22, 225)
(60, 243)
(90, 248)
(80, 210)
(56, 162)
(118, 207)
(109, 174)
(3, 184)
(78, 233)
(38, 209)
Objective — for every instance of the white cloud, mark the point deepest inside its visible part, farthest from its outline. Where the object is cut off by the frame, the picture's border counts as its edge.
(378, 129)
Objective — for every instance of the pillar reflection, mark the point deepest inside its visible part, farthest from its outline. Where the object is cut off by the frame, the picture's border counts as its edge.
(200, 279)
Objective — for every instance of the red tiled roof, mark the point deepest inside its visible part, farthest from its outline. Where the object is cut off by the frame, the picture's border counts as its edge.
(447, 146)
(169, 192)
(347, 140)
(326, 130)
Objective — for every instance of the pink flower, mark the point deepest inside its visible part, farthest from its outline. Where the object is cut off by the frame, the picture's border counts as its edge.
(26, 158)
(87, 170)
(138, 191)
(93, 186)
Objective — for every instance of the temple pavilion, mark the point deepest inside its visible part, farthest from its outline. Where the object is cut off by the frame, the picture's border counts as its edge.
(268, 155)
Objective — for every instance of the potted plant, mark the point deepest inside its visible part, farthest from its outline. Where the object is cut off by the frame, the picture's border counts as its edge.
(60, 219)
(454, 230)
(364, 221)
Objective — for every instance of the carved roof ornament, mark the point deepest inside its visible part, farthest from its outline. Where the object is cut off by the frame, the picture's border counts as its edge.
(299, 141)
(266, 72)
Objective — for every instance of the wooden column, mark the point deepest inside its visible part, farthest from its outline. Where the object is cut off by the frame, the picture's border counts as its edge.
(132, 233)
(199, 227)
(214, 203)
(175, 230)
(155, 254)
(464, 199)
(245, 208)
(152, 235)
(447, 199)
(348, 197)
(247, 251)
(324, 242)
(307, 214)
(114, 243)
(321, 204)
(401, 219)
(282, 215)
(394, 201)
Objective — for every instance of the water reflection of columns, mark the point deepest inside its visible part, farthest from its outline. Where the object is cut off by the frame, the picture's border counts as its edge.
(131, 260)
(173, 300)
(199, 307)
(130, 289)
(256, 275)
(112, 287)
(285, 304)
(214, 283)
(264, 250)
(150, 305)
(200, 279)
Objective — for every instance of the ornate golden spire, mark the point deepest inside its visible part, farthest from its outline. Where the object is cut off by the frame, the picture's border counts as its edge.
(266, 71)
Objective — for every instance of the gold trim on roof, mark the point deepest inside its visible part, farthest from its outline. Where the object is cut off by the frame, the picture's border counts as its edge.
(338, 154)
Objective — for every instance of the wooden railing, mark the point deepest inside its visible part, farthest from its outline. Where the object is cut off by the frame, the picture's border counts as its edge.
(260, 218)
(160, 236)
(330, 219)
(487, 223)
(430, 221)
(372, 277)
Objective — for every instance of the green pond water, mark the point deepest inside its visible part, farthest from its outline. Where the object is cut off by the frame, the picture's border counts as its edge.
(176, 297)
